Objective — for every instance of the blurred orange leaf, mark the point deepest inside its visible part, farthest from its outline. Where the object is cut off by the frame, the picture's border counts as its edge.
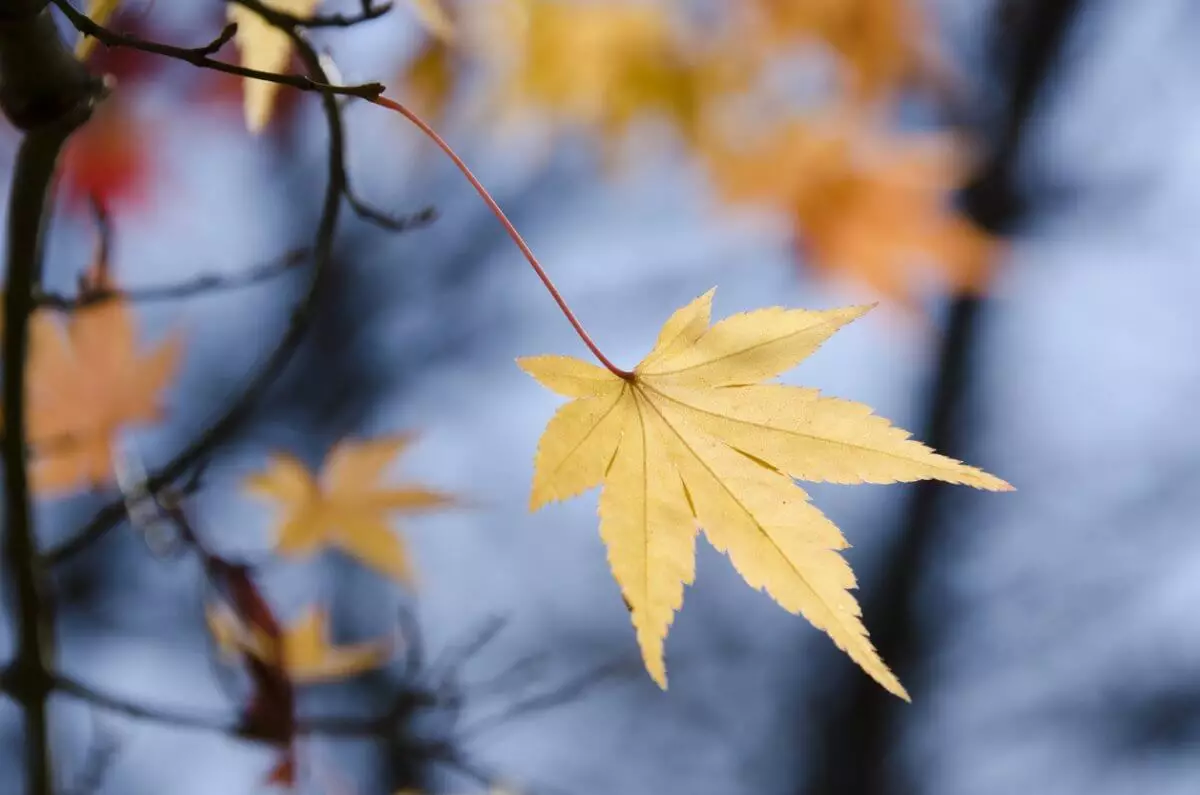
(346, 507)
(883, 43)
(866, 204)
(86, 381)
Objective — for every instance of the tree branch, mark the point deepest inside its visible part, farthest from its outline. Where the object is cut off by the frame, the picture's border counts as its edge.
(46, 93)
(200, 285)
(241, 408)
(229, 725)
(202, 56)
(36, 161)
(369, 11)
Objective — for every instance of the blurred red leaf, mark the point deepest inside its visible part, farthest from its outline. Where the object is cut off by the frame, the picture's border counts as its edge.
(109, 159)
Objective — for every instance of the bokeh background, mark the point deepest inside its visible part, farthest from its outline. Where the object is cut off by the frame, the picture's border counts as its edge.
(1047, 636)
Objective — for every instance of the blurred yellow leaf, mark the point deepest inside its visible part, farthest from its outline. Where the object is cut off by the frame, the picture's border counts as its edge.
(86, 381)
(693, 440)
(308, 656)
(429, 79)
(266, 48)
(99, 11)
(434, 16)
(347, 507)
(866, 204)
(593, 65)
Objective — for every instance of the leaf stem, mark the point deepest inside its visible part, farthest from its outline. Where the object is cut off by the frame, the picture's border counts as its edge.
(432, 134)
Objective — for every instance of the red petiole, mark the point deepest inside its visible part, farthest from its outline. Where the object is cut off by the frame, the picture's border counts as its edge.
(508, 227)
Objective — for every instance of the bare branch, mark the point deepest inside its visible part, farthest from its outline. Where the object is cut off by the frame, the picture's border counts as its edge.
(199, 285)
(391, 223)
(241, 408)
(202, 56)
(369, 11)
(48, 94)
(226, 724)
(561, 694)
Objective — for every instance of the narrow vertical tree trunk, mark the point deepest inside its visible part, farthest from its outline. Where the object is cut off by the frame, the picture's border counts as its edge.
(46, 93)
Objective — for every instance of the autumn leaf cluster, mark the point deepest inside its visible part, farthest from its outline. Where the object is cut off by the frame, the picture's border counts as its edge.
(698, 438)
(865, 200)
(90, 379)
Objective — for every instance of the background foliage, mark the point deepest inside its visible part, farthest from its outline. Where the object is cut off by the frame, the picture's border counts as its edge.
(1012, 180)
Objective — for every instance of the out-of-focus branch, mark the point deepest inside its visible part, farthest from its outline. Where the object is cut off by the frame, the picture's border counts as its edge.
(230, 725)
(860, 727)
(242, 407)
(337, 189)
(440, 752)
(563, 693)
(28, 679)
(200, 285)
(390, 223)
(47, 94)
(98, 760)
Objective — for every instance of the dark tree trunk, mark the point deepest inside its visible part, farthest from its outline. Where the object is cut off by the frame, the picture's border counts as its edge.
(860, 727)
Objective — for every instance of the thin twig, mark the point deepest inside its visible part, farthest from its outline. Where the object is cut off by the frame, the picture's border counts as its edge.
(199, 285)
(516, 237)
(369, 11)
(539, 702)
(241, 408)
(202, 56)
(218, 723)
(390, 223)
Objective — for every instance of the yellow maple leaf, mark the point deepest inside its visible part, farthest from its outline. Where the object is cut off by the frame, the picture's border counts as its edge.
(694, 440)
(266, 48)
(86, 381)
(866, 204)
(308, 656)
(99, 11)
(346, 507)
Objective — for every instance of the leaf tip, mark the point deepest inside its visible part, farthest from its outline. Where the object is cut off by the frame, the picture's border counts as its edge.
(989, 482)
(537, 500)
(859, 310)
